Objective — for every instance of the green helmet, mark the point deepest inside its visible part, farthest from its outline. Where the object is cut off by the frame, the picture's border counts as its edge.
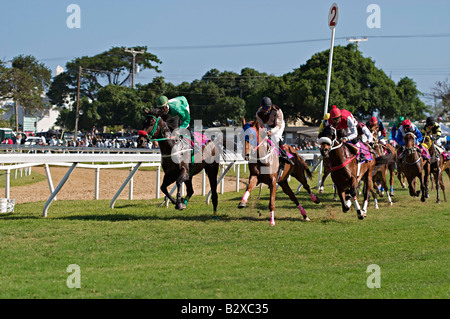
(399, 120)
(161, 101)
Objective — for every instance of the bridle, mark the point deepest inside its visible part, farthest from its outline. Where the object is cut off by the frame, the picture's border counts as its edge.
(411, 150)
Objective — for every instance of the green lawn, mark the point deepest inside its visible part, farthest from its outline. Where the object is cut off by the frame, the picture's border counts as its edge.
(138, 250)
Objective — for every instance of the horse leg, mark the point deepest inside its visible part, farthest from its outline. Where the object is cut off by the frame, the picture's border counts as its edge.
(391, 179)
(322, 182)
(441, 183)
(302, 179)
(253, 180)
(184, 176)
(190, 191)
(359, 213)
(342, 195)
(436, 177)
(288, 191)
(167, 180)
(273, 191)
(212, 172)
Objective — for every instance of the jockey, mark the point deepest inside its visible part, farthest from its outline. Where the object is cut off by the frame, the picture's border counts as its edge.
(374, 123)
(343, 119)
(407, 126)
(404, 128)
(177, 106)
(324, 123)
(271, 118)
(433, 130)
(394, 129)
(354, 130)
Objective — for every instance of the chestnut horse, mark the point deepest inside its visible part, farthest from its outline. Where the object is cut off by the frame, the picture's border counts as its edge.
(436, 165)
(264, 167)
(346, 172)
(177, 160)
(413, 166)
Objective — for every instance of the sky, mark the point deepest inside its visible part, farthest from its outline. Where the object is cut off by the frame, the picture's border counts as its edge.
(405, 37)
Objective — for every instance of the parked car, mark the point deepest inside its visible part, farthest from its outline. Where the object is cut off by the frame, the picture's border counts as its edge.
(33, 140)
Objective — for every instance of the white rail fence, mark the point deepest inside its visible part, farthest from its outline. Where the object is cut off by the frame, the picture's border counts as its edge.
(16, 159)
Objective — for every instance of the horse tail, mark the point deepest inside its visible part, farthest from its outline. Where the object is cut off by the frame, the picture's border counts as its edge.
(304, 165)
(385, 159)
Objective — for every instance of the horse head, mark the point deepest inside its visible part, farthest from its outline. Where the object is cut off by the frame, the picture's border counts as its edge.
(410, 142)
(327, 139)
(150, 127)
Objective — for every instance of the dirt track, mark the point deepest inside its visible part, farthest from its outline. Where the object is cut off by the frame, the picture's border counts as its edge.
(81, 185)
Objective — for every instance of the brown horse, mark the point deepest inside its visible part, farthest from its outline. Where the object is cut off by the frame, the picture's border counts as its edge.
(436, 164)
(346, 172)
(177, 160)
(413, 166)
(379, 175)
(389, 149)
(264, 167)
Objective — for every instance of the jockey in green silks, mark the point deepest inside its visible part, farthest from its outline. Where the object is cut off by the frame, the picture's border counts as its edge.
(178, 106)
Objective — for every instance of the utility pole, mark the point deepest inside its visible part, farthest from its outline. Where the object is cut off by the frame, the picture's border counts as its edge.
(357, 40)
(78, 105)
(134, 63)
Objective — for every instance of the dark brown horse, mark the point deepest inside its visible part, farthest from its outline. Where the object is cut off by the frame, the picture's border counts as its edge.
(346, 172)
(177, 160)
(264, 167)
(379, 175)
(436, 163)
(413, 165)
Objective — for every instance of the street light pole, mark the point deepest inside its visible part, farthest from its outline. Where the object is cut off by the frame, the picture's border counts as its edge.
(357, 40)
(78, 104)
(134, 63)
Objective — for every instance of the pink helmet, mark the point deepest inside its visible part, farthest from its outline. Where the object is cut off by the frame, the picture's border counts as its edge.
(335, 112)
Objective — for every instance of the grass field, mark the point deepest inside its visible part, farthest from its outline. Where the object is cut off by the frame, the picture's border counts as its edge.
(139, 250)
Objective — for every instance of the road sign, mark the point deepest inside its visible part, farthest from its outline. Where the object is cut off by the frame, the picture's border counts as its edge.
(333, 16)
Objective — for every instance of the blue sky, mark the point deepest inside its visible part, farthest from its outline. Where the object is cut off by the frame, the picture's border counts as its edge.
(167, 26)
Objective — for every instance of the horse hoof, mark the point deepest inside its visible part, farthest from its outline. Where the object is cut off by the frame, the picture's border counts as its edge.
(345, 209)
(360, 216)
(180, 206)
(272, 223)
(423, 200)
(306, 219)
(241, 205)
(391, 194)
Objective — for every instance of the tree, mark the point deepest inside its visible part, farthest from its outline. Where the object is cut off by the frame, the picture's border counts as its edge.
(410, 104)
(442, 92)
(25, 83)
(110, 67)
(356, 85)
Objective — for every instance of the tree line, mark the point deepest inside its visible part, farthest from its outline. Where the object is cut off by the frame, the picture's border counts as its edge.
(219, 97)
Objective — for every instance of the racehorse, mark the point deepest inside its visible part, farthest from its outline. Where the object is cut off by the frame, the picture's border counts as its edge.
(178, 160)
(386, 148)
(379, 175)
(413, 165)
(436, 164)
(264, 167)
(346, 172)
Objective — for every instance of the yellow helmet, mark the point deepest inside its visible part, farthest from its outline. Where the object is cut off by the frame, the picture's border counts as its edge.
(326, 116)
